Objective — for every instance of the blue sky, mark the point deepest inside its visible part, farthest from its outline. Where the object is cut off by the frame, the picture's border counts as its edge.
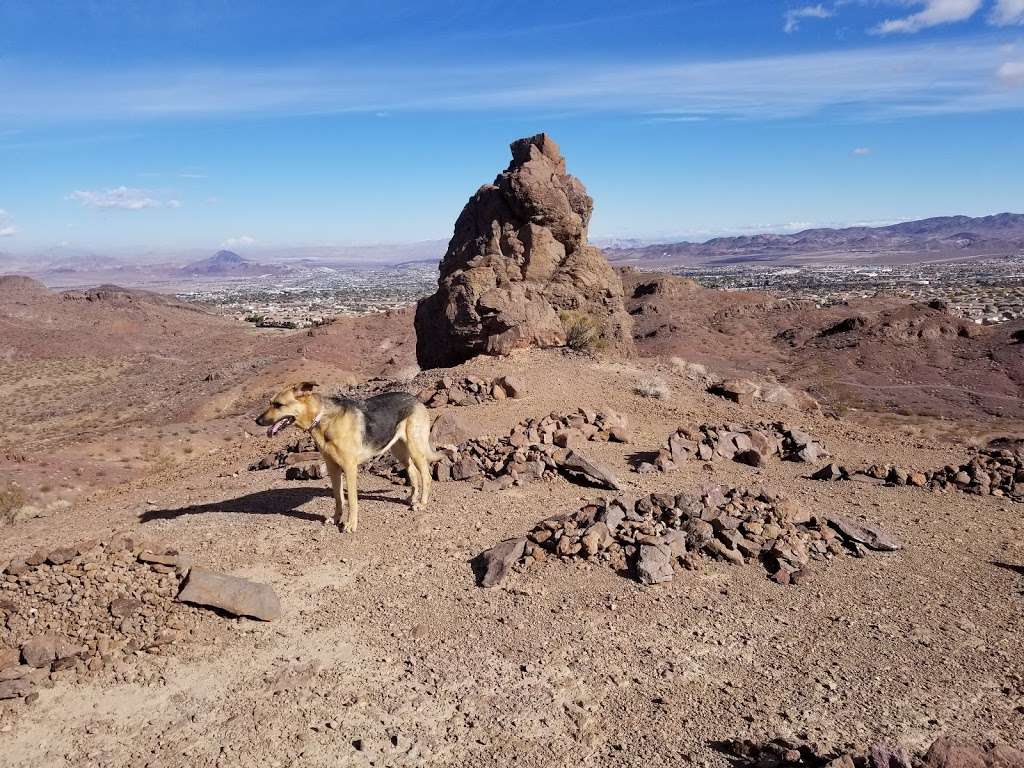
(139, 125)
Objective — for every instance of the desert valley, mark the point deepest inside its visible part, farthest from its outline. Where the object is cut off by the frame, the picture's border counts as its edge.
(675, 521)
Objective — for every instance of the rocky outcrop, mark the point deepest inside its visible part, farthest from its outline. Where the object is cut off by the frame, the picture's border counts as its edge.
(517, 264)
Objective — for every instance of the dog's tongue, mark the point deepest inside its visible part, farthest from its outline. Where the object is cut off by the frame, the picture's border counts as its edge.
(276, 427)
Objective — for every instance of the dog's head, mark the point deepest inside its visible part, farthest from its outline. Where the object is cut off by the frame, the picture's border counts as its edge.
(289, 406)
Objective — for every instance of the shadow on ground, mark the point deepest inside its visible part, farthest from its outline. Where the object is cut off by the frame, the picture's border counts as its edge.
(275, 501)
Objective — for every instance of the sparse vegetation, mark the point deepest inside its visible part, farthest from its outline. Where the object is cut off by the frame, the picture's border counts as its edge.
(12, 498)
(583, 332)
(655, 388)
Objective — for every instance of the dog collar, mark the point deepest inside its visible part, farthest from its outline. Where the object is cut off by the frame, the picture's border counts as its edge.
(319, 415)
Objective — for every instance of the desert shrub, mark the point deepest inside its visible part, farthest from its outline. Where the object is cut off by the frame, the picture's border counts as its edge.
(655, 388)
(582, 331)
(12, 498)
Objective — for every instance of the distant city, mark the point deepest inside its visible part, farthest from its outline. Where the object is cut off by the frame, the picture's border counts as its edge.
(314, 298)
(987, 291)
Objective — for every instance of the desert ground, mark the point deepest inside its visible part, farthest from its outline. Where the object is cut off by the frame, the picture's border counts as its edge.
(389, 653)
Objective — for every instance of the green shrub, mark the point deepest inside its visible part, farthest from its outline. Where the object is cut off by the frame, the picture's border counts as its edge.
(582, 331)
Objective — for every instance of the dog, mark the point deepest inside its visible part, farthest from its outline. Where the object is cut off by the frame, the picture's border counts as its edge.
(347, 432)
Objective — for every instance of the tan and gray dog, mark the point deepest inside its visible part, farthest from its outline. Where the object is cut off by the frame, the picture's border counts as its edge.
(347, 432)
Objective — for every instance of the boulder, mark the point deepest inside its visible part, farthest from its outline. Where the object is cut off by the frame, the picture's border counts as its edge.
(517, 259)
(945, 753)
(237, 596)
(449, 429)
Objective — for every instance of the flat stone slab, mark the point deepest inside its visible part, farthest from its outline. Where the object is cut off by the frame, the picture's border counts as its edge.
(237, 596)
(579, 468)
(497, 561)
(867, 534)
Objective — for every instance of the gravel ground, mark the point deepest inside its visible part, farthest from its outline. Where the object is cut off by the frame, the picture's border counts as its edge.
(389, 654)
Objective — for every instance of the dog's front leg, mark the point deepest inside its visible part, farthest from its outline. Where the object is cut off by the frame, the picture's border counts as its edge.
(352, 523)
(334, 470)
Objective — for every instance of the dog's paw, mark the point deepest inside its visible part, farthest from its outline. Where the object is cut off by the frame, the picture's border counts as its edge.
(346, 526)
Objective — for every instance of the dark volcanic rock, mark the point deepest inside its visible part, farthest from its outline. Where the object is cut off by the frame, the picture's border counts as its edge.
(519, 257)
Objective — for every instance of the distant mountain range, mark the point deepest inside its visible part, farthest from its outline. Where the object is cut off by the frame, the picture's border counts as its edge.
(229, 264)
(922, 240)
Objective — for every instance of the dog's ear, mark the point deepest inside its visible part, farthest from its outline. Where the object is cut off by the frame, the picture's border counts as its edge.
(304, 388)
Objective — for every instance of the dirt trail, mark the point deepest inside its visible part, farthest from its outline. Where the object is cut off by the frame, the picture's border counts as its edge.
(389, 654)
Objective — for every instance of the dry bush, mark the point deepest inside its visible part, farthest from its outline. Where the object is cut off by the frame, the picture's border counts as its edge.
(582, 332)
(12, 498)
(655, 388)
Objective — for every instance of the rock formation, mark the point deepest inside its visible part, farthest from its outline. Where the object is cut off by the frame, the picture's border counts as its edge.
(518, 261)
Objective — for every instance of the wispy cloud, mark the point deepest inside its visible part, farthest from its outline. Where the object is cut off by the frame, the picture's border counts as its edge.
(1011, 73)
(794, 16)
(238, 242)
(861, 151)
(883, 81)
(125, 198)
(7, 229)
(1007, 12)
(934, 13)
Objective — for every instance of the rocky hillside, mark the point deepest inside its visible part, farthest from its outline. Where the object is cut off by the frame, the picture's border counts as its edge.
(880, 355)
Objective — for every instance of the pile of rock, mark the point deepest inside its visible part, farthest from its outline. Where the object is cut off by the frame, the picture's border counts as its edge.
(535, 449)
(943, 753)
(300, 460)
(663, 533)
(91, 608)
(751, 445)
(998, 470)
(470, 390)
(86, 608)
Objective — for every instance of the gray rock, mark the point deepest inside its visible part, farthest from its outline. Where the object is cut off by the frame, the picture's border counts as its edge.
(42, 650)
(654, 564)
(449, 429)
(15, 689)
(579, 468)
(497, 561)
(867, 534)
(237, 596)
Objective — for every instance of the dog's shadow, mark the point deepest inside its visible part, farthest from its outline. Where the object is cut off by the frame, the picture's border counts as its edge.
(274, 501)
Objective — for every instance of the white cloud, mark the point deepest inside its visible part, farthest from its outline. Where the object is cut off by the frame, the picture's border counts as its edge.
(125, 198)
(1007, 12)
(861, 151)
(1011, 73)
(6, 228)
(794, 15)
(934, 13)
(235, 242)
(878, 82)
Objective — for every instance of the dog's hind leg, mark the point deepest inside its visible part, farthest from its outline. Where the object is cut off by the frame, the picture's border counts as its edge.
(334, 471)
(401, 452)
